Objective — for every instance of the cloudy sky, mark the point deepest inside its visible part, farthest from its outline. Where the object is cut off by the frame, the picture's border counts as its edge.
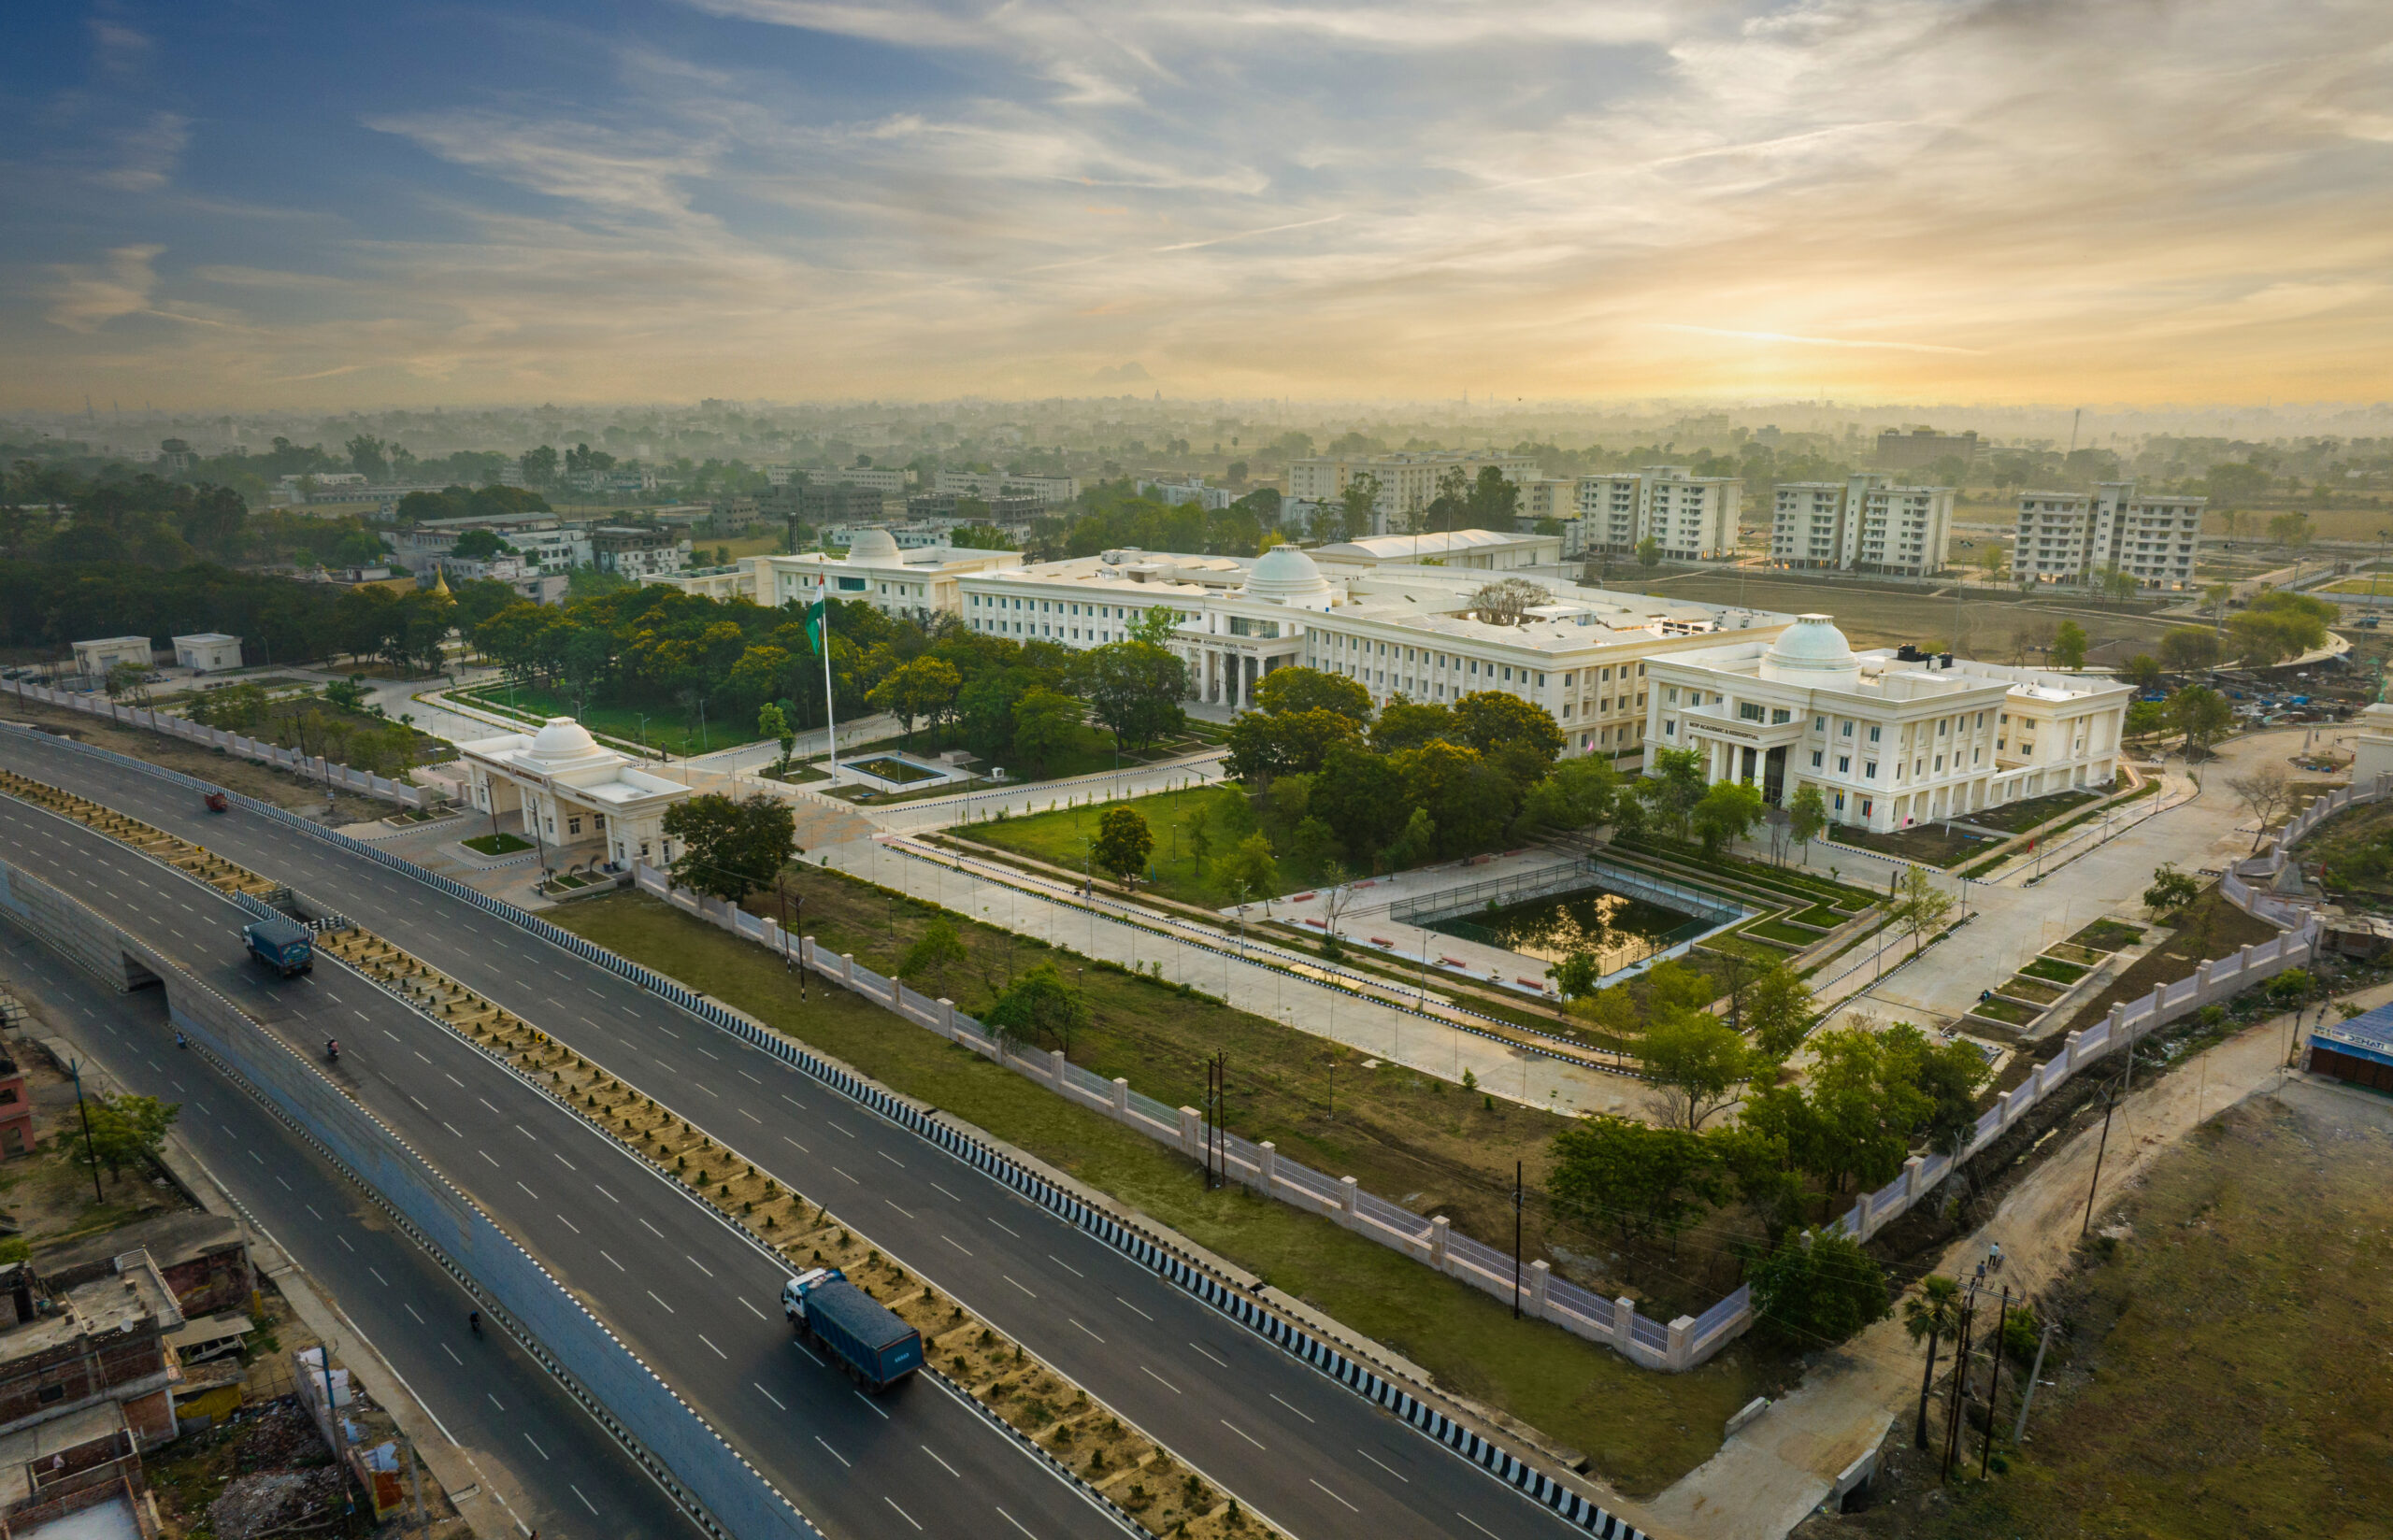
(261, 203)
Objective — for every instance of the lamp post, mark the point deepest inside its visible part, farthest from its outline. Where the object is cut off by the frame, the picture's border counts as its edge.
(75, 1068)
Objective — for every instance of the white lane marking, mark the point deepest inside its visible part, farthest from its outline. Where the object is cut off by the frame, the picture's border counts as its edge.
(1209, 1355)
(451, 1127)
(893, 1160)
(1002, 1225)
(1341, 1501)
(944, 1465)
(1085, 1329)
(379, 1277)
(569, 1164)
(618, 1266)
(1384, 1465)
(344, 1240)
(769, 1396)
(536, 1445)
(1134, 1309)
(568, 1224)
(1159, 1379)
(699, 1265)
(876, 1411)
(708, 1055)
(669, 1309)
(799, 1148)
(527, 1134)
(826, 1449)
(485, 1101)
(794, 1100)
(718, 1352)
(945, 1193)
(753, 1311)
(609, 1196)
(529, 1193)
(418, 1055)
(1241, 1432)
(495, 1401)
(585, 1502)
(745, 1075)
(710, 1091)
(801, 1347)
(652, 1230)
(908, 1212)
(892, 1503)
(952, 1241)
(452, 1080)
(841, 1130)
(410, 1310)
(844, 1174)
(418, 1103)
(1275, 1395)
(1008, 1278)
(1477, 1525)
(1015, 1522)
(452, 1355)
(1065, 1265)
(752, 1117)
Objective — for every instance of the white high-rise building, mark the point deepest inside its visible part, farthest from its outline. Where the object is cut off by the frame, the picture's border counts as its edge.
(1864, 523)
(2077, 537)
(1408, 483)
(1694, 517)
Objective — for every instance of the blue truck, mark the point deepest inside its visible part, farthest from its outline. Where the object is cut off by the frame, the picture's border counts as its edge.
(285, 946)
(873, 1346)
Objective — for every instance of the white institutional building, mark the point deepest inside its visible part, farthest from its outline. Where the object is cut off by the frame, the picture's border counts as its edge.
(1890, 738)
(1363, 612)
(563, 788)
(1865, 523)
(2076, 537)
(912, 584)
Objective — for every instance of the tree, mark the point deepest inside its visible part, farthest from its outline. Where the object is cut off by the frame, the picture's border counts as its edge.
(1153, 626)
(1920, 905)
(1416, 842)
(2145, 718)
(479, 545)
(2264, 793)
(1361, 796)
(1674, 784)
(1991, 560)
(936, 950)
(1933, 1314)
(1285, 691)
(2069, 645)
(729, 850)
(1696, 1064)
(2172, 892)
(1638, 1179)
(1579, 793)
(1492, 500)
(773, 722)
(1265, 745)
(1249, 869)
(1724, 813)
(1046, 725)
(1649, 553)
(2188, 650)
(127, 1131)
(1133, 688)
(1816, 1290)
(1355, 506)
(2201, 714)
(1123, 843)
(926, 687)
(1807, 815)
(2142, 671)
(1576, 975)
(1522, 738)
(124, 680)
(1778, 1010)
(1507, 601)
(1038, 1005)
(1409, 725)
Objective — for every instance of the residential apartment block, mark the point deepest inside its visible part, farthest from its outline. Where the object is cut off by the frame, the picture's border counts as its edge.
(1693, 517)
(1864, 523)
(1173, 493)
(1921, 448)
(637, 551)
(1889, 738)
(2076, 537)
(1408, 483)
(1049, 490)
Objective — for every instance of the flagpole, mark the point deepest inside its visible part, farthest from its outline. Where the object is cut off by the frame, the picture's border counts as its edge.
(831, 726)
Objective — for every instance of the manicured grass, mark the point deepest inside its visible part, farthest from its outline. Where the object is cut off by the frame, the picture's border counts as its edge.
(661, 729)
(1792, 881)
(2107, 936)
(1780, 931)
(2003, 1010)
(496, 844)
(1641, 1430)
(1056, 836)
(2055, 970)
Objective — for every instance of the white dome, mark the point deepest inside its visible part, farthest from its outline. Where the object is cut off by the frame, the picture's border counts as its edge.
(873, 545)
(565, 742)
(1811, 652)
(1287, 576)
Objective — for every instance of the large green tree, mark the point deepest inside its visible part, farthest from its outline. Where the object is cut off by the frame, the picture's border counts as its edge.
(1699, 1063)
(730, 849)
(1123, 843)
(1287, 691)
(1134, 689)
(1813, 1291)
(1631, 1178)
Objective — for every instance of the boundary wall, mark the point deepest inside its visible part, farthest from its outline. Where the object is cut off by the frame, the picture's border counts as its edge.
(1190, 1276)
(717, 1488)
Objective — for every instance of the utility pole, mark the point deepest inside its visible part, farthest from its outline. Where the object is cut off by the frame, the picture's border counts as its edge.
(1993, 1382)
(75, 1068)
(2109, 1102)
(2019, 1433)
(1952, 1413)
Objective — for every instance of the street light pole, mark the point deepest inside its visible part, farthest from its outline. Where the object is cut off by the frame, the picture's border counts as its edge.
(75, 1068)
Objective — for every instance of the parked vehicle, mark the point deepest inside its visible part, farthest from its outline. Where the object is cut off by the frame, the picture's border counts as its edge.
(872, 1345)
(283, 945)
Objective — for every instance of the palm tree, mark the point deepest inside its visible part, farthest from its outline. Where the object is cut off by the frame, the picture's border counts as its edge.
(1932, 1313)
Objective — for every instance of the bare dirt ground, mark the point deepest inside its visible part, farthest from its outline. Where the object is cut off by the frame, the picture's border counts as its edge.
(235, 774)
(1991, 623)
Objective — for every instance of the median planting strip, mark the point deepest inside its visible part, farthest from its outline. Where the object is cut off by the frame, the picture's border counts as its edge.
(1076, 1434)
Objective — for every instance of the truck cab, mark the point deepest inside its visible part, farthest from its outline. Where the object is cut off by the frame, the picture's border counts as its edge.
(283, 945)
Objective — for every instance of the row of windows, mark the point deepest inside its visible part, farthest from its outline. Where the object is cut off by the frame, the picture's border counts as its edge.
(1059, 607)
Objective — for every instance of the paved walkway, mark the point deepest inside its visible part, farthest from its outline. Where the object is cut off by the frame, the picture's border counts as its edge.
(1778, 1468)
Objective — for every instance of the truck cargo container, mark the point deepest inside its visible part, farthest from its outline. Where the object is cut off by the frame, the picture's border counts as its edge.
(874, 1346)
(283, 945)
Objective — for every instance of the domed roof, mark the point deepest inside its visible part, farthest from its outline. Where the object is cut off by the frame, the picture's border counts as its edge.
(1287, 576)
(873, 545)
(1811, 650)
(565, 742)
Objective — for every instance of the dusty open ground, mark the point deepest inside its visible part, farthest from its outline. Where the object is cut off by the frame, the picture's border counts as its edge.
(1991, 623)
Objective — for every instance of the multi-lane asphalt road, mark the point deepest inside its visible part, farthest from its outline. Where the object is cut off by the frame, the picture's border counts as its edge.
(1279, 1436)
(488, 1397)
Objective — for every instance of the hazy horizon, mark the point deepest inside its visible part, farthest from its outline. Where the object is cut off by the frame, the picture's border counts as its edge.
(2177, 206)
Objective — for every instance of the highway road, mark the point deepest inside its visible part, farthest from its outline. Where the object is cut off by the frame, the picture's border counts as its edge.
(1284, 1439)
(568, 1480)
(698, 1301)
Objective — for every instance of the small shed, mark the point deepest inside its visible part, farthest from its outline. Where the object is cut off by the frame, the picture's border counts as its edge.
(94, 659)
(207, 652)
(2359, 1051)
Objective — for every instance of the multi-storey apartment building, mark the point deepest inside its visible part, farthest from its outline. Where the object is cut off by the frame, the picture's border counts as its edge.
(2078, 537)
(1865, 523)
(1890, 738)
(1049, 490)
(1693, 517)
(1408, 483)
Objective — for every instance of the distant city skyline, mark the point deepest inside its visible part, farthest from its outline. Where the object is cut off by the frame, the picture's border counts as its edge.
(1876, 201)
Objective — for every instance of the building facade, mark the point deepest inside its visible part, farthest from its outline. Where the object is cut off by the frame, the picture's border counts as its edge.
(1890, 738)
(1408, 483)
(208, 651)
(1865, 523)
(1211, 499)
(637, 553)
(560, 787)
(1049, 490)
(94, 659)
(1920, 448)
(2078, 537)
(1692, 517)
(916, 584)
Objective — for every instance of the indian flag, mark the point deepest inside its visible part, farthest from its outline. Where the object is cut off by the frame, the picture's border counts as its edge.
(818, 623)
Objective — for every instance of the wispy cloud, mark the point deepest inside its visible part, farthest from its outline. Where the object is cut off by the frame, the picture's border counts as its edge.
(1820, 341)
(83, 299)
(148, 153)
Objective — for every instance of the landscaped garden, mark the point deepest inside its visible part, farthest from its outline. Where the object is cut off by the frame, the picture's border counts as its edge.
(496, 844)
(1938, 844)
(535, 703)
(2018, 816)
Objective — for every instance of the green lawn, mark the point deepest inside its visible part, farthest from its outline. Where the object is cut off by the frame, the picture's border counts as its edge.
(2054, 969)
(1056, 836)
(662, 728)
(496, 844)
(1641, 1430)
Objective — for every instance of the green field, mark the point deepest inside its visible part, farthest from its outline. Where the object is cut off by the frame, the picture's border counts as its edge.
(1059, 837)
(661, 729)
(1641, 1430)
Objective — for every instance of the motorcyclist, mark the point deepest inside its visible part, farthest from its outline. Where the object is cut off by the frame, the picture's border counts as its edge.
(474, 1320)
(178, 1041)
(332, 1047)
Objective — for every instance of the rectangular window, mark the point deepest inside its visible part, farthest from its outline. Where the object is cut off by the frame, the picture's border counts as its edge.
(1864, 806)
(1748, 711)
(1669, 730)
(1780, 716)
(1819, 724)
(1846, 729)
(1844, 765)
(1944, 726)
(1869, 770)
(1671, 695)
(1873, 734)
(1816, 757)
(1839, 802)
